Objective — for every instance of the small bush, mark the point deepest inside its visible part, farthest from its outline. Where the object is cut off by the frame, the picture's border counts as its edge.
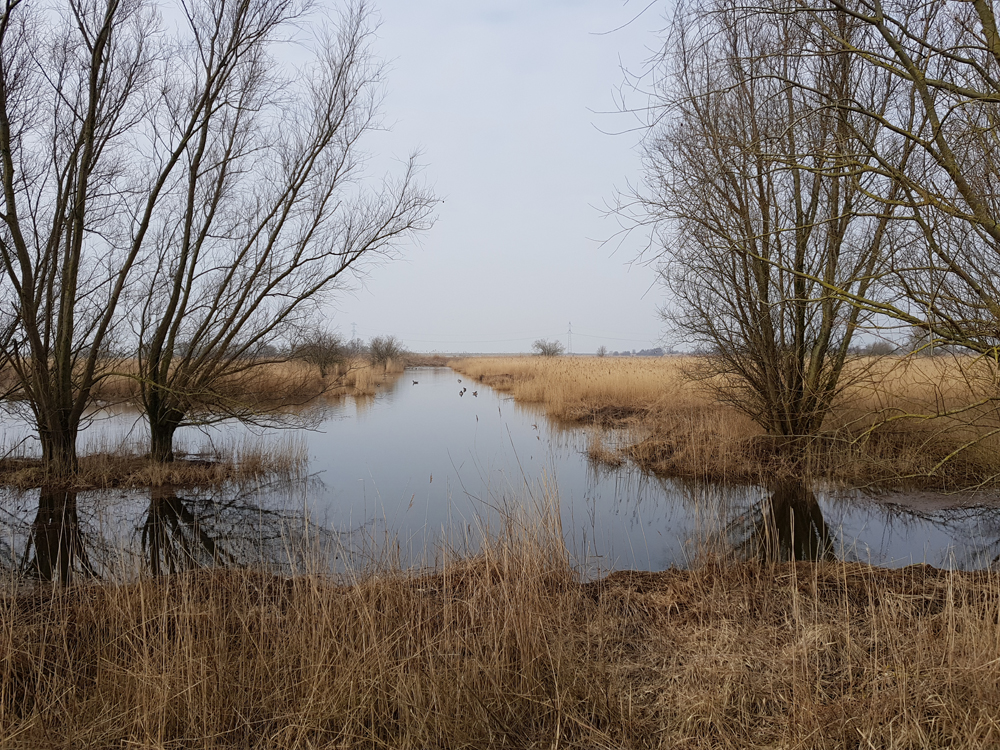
(547, 348)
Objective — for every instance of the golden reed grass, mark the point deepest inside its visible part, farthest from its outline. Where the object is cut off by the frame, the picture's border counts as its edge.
(508, 649)
(878, 430)
(269, 384)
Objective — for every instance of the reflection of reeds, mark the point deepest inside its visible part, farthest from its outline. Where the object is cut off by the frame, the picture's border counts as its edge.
(506, 648)
(926, 419)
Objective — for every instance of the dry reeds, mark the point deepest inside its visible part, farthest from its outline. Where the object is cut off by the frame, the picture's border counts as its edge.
(508, 649)
(129, 466)
(269, 385)
(924, 420)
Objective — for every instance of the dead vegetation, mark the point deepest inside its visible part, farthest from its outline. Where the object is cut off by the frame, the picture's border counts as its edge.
(129, 467)
(267, 386)
(927, 421)
(508, 649)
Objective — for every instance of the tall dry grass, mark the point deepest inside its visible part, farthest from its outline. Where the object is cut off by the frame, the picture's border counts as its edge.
(269, 384)
(508, 649)
(926, 420)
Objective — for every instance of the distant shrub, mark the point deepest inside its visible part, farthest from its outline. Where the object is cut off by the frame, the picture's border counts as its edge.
(383, 348)
(547, 348)
(322, 349)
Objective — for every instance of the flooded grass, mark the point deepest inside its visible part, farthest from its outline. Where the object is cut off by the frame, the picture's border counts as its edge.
(507, 648)
(285, 394)
(128, 466)
(928, 421)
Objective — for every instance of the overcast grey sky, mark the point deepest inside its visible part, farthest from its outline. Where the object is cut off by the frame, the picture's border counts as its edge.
(507, 100)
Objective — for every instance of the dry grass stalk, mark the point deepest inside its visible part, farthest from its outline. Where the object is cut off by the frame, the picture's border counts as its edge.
(876, 432)
(507, 649)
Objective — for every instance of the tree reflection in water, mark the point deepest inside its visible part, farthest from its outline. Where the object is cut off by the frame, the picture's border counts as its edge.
(173, 538)
(786, 525)
(55, 549)
(166, 531)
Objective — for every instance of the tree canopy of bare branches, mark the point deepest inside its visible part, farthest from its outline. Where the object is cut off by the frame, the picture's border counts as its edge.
(758, 206)
(177, 191)
(944, 59)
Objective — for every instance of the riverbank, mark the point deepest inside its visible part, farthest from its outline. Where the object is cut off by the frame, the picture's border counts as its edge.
(508, 650)
(925, 422)
(285, 393)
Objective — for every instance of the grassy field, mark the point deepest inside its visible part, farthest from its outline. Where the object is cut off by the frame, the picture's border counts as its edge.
(878, 430)
(508, 649)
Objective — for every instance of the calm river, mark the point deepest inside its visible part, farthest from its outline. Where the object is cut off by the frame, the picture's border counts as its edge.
(420, 468)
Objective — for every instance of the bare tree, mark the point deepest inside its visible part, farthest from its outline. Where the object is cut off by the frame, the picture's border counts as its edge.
(944, 59)
(381, 349)
(271, 214)
(321, 348)
(78, 187)
(548, 348)
(184, 184)
(758, 206)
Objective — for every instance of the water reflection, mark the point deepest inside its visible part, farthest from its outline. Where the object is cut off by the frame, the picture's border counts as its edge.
(55, 548)
(785, 525)
(397, 477)
(58, 535)
(173, 538)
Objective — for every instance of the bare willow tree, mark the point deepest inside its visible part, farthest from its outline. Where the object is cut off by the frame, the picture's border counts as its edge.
(944, 59)
(758, 204)
(78, 192)
(271, 209)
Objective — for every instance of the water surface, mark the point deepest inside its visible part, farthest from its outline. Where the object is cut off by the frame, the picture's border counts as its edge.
(423, 466)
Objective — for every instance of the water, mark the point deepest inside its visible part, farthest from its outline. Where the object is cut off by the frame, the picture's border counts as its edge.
(420, 468)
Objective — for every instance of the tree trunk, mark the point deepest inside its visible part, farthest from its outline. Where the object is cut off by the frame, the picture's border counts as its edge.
(58, 438)
(161, 435)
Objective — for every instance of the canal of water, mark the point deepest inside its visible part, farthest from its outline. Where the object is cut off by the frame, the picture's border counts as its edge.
(430, 461)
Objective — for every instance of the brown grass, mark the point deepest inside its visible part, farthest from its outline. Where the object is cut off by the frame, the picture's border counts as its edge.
(246, 460)
(877, 432)
(268, 385)
(508, 649)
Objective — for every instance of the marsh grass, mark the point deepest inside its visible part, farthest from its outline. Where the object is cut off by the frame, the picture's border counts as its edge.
(507, 648)
(929, 421)
(126, 465)
(267, 385)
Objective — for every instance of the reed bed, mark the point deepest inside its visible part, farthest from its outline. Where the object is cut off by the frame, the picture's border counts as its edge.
(128, 466)
(922, 420)
(507, 648)
(267, 385)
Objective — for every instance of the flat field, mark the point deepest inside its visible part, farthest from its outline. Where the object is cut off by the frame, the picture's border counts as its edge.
(922, 421)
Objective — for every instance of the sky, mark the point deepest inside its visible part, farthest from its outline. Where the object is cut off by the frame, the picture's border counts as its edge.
(513, 105)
